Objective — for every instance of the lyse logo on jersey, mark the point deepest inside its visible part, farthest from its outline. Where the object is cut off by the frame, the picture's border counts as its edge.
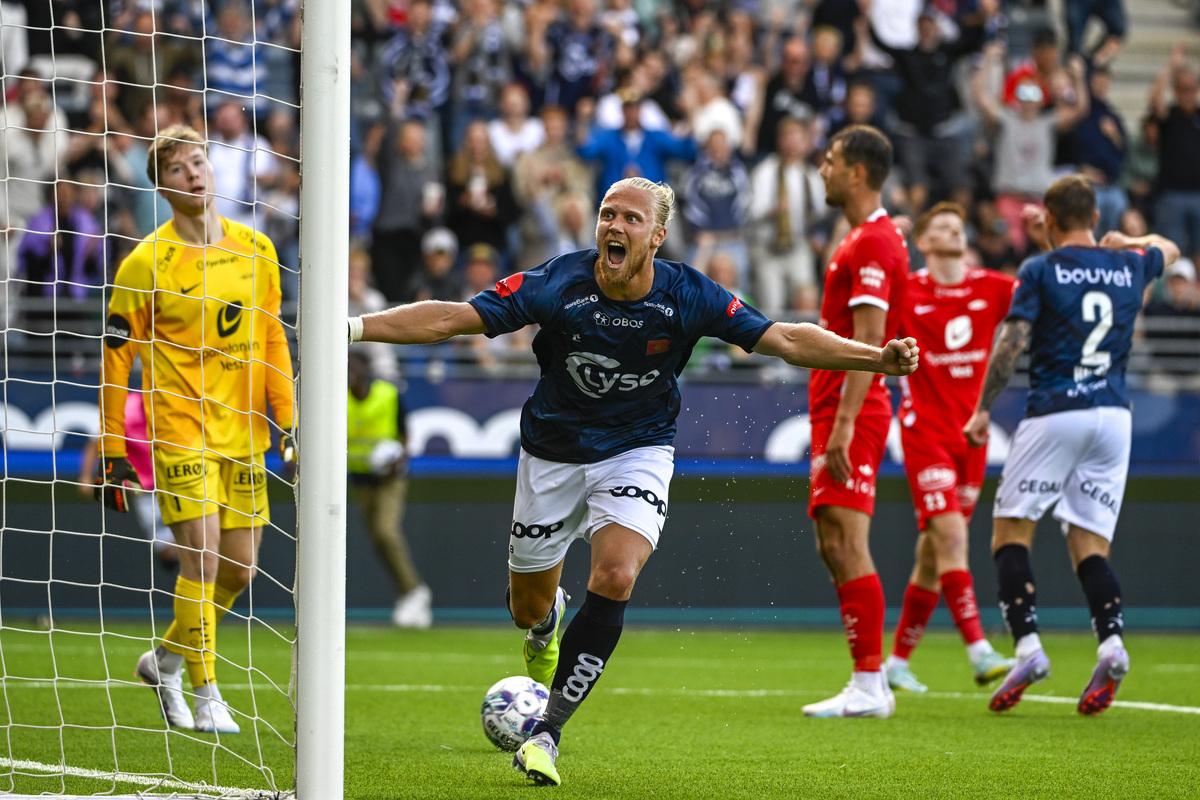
(597, 375)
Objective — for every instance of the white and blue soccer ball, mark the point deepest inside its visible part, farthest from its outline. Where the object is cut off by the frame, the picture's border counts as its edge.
(510, 710)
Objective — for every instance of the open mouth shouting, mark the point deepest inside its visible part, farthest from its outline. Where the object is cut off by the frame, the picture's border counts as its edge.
(614, 254)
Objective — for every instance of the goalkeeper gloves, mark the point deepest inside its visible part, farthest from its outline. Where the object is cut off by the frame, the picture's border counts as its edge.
(115, 474)
(287, 449)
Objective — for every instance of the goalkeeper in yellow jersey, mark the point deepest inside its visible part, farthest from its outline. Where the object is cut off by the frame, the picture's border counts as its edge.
(198, 300)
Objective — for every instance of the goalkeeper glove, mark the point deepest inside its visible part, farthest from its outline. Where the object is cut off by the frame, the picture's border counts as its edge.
(287, 449)
(115, 474)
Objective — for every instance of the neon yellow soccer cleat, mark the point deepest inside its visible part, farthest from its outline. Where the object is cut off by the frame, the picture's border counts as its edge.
(536, 759)
(541, 650)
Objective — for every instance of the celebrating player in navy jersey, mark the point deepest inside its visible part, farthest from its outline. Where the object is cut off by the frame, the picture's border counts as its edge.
(1075, 306)
(617, 327)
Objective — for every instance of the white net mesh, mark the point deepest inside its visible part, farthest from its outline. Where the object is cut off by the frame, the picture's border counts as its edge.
(86, 591)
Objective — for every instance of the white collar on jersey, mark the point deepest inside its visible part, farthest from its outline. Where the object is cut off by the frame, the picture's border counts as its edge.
(876, 214)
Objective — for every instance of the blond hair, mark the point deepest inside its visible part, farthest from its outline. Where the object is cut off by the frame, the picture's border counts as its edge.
(167, 143)
(664, 197)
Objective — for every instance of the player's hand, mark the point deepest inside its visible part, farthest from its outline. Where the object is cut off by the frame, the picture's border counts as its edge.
(1114, 240)
(1033, 217)
(837, 451)
(287, 449)
(976, 429)
(900, 357)
(113, 477)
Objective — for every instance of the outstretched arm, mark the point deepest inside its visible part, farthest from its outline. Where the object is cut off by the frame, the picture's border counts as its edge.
(1115, 240)
(1012, 341)
(808, 345)
(426, 322)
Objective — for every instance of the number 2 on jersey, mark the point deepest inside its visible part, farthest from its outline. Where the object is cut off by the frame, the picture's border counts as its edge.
(1097, 308)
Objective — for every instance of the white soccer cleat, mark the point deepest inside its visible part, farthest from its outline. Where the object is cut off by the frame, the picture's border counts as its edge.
(212, 713)
(414, 610)
(168, 687)
(855, 701)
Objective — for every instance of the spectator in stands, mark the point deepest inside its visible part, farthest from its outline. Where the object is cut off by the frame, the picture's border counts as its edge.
(231, 71)
(576, 54)
(1133, 223)
(860, 108)
(573, 228)
(711, 110)
(716, 196)
(1141, 165)
(243, 161)
(414, 74)
(634, 81)
(139, 58)
(482, 64)
(632, 150)
(62, 252)
(366, 299)
(825, 87)
(992, 241)
(931, 126)
(787, 199)
(1177, 213)
(437, 279)
(365, 184)
(481, 270)
(412, 199)
(127, 159)
(1042, 68)
(784, 94)
(1024, 137)
(1076, 14)
(480, 192)
(1172, 315)
(1099, 144)
(514, 132)
(542, 176)
(33, 150)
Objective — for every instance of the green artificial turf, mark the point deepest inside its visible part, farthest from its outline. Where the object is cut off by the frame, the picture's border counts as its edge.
(677, 714)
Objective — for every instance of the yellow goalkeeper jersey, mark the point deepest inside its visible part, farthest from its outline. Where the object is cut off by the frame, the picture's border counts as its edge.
(205, 322)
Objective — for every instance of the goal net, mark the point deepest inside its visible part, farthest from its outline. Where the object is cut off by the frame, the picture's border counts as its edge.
(191, 304)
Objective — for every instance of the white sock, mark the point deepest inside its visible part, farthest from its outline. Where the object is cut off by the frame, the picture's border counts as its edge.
(869, 682)
(1109, 645)
(896, 661)
(1028, 644)
(168, 662)
(977, 650)
(208, 691)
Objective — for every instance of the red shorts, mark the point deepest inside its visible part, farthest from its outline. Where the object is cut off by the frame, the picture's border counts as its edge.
(943, 475)
(866, 451)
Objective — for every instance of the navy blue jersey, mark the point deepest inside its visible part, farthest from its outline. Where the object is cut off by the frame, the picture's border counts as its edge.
(1082, 302)
(610, 368)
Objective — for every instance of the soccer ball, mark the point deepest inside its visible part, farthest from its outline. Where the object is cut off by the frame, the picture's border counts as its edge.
(510, 709)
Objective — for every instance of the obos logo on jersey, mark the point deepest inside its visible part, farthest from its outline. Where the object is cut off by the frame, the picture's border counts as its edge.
(597, 375)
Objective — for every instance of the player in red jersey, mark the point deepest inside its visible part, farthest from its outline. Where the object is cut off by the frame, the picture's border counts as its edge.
(865, 287)
(953, 311)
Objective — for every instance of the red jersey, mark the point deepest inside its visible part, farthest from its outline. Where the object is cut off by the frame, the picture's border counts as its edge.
(954, 326)
(870, 267)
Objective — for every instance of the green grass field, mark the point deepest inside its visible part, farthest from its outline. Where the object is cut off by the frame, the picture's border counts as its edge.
(678, 714)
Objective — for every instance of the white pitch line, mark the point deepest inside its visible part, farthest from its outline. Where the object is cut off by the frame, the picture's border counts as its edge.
(137, 780)
(412, 688)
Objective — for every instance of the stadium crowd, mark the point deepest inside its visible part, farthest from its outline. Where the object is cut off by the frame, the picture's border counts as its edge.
(483, 133)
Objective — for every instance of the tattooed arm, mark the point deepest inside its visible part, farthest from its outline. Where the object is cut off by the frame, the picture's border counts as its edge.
(1012, 341)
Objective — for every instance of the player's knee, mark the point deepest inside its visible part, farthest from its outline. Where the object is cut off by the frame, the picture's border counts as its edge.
(237, 576)
(834, 548)
(614, 581)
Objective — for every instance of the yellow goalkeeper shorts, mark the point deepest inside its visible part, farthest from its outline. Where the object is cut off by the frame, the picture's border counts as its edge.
(192, 484)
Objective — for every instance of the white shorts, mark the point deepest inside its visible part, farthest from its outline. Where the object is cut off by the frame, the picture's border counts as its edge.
(558, 503)
(1075, 459)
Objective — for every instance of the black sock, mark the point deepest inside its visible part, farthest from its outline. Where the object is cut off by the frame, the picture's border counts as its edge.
(1103, 596)
(586, 646)
(1018, 598)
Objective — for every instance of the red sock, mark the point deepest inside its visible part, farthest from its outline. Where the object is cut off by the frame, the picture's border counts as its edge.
(918, 607)
(862, 615)
(959, 589)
